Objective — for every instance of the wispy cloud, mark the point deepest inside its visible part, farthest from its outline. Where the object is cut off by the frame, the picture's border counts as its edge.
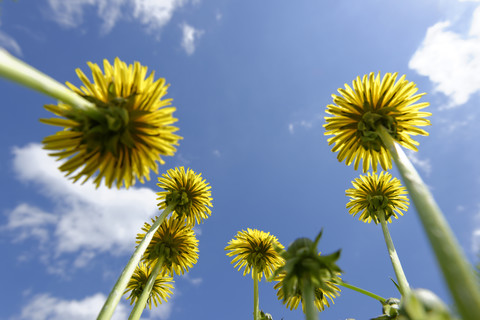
(451, 60)
(10, 44)
(190, 37)
(81, 219)
(423, 164)
(306, 124)
(153, 14)
(44, 306)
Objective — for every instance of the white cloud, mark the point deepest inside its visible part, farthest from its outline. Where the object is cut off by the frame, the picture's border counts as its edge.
(84, 220)
(190, 36)
(451, 60)
(162, 312)
(30, 222)
(423, 164)
(154, 14)
(44, 306)
(69, 13)
(9, 43)
(306, 124)
(476, 241)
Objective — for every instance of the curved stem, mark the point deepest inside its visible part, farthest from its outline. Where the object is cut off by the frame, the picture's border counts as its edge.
(456, 270)
(311, 312)
(360, 290)
(122, 282)
(20, 72)
(397, 266)
(142, 300)
(256, 312)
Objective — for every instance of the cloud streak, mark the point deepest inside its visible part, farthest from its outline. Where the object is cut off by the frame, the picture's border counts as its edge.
(153, 14)
(190, 37)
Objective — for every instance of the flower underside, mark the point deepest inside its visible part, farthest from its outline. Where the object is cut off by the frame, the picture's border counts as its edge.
(189, 192)
(359, 112)
(161, 289)
(123, 136)
(374, 195)
(175, 243)
(255, 250)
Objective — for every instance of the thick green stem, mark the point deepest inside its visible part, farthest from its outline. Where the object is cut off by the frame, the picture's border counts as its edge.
(122, 282)
(311, 312)
(458, 273)
(256, 311)
(397, 266)
(18, 71)
(142, 300)
(362, 291)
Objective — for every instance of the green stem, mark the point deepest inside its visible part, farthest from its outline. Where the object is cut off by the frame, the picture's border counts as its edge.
(142, 300)
(18, 71)
(397, 266)
(311, 312)
(458, 273)
(360, 290)
(122, 282)
(256, 312)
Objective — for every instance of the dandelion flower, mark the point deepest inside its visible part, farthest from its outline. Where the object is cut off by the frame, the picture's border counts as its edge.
(123, 136)
(161, 288)
(189, 191)
(374, 194)
(359, 111)
(320, 295)
(175, 243)
(255, 249)
(304, 265)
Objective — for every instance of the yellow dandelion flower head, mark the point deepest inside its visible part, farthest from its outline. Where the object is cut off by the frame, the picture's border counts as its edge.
(329, 290)
(189, 192)
(124, 135)
(255, 249)
(359, 111)
(161, 290)
(373, 195)
(175, 243)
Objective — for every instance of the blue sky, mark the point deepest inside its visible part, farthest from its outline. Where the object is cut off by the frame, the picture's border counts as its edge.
(251, 81)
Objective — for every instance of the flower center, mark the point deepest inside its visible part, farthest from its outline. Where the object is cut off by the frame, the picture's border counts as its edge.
(166, 248)
(106, 127)
(367, 126)
(182, 200)
(379, 204)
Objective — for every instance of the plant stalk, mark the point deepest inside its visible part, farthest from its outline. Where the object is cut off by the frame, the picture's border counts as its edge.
(122, 282)
(458, 273)
(142, 300)
(397, 266)
(20, 72)
(256, 311)
(360, 290)
(311, 312)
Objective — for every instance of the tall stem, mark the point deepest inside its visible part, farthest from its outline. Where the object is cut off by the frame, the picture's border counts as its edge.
(360, 290)
(397, 266)
(18, 71)
(458, 273)
(122, 282)
(256, 311)
(311, 312)
(142, 300)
